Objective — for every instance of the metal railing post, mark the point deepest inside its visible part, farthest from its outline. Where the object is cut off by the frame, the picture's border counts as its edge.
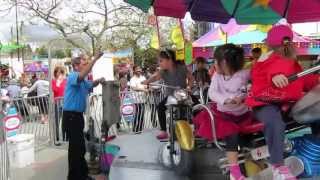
(51, 99)
(4, 158)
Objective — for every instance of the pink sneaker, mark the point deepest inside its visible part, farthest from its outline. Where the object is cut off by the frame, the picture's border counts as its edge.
(235, 173)
(239, 178)
(282, 173)
(162, 136)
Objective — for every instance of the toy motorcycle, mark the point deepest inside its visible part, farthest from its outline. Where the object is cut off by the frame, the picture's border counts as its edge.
(177, 152)
(302, 152)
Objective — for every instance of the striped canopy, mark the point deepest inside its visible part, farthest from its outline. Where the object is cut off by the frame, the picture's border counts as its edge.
(238, 34)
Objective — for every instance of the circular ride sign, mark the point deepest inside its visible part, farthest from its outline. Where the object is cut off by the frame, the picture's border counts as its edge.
(128, 108)
(12, 122)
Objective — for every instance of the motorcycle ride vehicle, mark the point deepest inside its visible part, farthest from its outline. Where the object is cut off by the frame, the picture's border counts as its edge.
(302, 153)
(176, 154)
(201, 92)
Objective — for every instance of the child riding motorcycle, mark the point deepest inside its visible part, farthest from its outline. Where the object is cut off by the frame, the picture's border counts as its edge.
(271, 90)
(230, 112)
(173, 73)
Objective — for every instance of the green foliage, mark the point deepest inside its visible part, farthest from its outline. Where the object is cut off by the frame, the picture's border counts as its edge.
(59, 54)
(145, 57)
(42, 51)
(68, 53)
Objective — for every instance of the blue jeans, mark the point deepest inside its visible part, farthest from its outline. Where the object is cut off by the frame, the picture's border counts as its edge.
(274, 131)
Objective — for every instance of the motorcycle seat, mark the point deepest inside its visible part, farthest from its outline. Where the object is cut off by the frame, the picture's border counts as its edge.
(256, 126)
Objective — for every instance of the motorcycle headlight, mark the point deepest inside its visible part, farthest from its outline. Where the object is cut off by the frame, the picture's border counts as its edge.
(181, 95)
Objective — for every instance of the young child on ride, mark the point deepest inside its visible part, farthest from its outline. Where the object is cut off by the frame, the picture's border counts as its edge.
(173, 73)
(230, 112)
(271, 90)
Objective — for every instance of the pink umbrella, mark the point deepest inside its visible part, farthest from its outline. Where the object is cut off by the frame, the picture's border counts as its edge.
(231, 28)
(297, 11)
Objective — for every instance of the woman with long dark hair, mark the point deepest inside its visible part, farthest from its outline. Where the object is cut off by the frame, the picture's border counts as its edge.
(173, 73)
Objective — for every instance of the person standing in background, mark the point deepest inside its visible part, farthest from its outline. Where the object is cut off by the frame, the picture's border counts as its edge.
(14, 89)
(58, 87)
(201, 74)
(256, 54)
(33, 78)
(138, 88)
(123, 81)
(42, 88)
(76, 92)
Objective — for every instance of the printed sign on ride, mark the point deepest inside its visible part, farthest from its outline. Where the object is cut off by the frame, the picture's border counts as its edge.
(260, 153)
(128, 108)
(12, 122)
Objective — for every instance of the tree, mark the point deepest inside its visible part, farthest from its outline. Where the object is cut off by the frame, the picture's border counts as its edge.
(42, 51)
(60, 54)
(146, 57)
(72, 19)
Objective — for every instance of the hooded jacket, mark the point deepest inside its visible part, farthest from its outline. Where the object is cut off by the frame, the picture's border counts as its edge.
(263, 91)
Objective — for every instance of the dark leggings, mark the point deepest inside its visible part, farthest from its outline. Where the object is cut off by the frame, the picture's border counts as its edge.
(153, 115)
(162, 114)
(274, 130)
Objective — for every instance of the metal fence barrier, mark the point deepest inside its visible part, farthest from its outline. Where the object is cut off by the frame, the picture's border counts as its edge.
(144, 106)
(4, 159)
(35, 117)
(144, 116)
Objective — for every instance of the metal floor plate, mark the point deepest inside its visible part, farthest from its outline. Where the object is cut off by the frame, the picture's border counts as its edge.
(138, 160)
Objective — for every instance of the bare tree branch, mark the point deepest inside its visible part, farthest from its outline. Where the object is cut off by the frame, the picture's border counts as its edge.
(85, 19)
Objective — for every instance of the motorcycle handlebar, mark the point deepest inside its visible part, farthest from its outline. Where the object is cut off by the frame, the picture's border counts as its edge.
(164, 86)
(303, 73)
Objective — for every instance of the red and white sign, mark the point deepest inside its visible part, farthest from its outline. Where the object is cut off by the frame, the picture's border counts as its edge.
(128, 110)
(12, 124)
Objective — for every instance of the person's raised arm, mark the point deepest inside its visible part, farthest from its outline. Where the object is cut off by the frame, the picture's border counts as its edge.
(98, 81)
(155, 77)
(33, 87)
(87, 69)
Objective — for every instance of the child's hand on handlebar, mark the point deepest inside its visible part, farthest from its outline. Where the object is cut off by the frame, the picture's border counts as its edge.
(237, 100)
(229, 101)
(233, 101)
(280, 81)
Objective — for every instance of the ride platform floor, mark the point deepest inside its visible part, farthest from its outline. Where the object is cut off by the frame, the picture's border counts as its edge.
(138, 160)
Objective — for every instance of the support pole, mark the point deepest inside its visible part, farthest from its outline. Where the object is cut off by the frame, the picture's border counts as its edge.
(51, 99)
(158, 31)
